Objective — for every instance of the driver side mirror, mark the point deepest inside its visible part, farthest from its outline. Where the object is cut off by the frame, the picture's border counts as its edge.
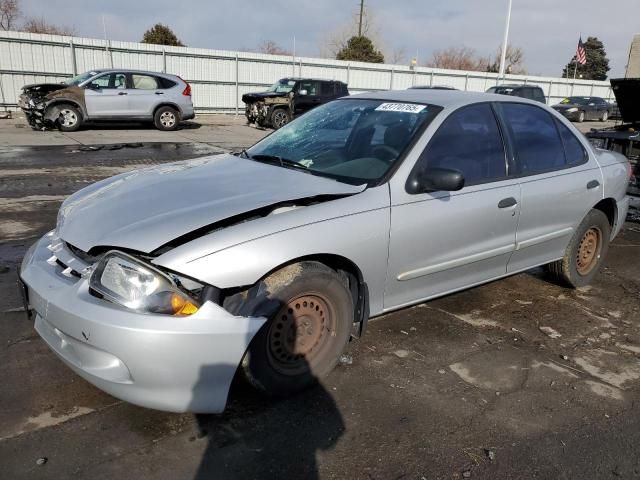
(436, 179)
(302, 93)
(93, 86)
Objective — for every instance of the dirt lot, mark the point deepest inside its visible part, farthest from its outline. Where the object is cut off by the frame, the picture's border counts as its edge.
(467, 385)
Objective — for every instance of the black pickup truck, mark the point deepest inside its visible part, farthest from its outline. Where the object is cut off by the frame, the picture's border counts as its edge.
(625, 137)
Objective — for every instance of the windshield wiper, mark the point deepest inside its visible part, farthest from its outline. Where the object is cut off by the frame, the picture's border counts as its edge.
(277, 160)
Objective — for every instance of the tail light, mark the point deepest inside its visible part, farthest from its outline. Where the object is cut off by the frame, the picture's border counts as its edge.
(187, 90)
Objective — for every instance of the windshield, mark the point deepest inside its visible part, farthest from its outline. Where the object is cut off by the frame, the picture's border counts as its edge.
(282, 86)
(576, 100)
(78, 79)
(352, 140)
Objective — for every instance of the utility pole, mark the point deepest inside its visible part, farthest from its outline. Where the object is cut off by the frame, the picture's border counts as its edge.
(360, 22)
(503, 57)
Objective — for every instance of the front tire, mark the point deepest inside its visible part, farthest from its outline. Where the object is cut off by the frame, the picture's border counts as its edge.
(69, 119)
(166, 118)
(303, 340)
(605, 116)
(581, 117)
(279, 118)
(586, 251)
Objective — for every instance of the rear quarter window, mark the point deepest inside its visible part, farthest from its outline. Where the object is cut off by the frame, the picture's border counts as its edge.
(165, 82)
(574, 152)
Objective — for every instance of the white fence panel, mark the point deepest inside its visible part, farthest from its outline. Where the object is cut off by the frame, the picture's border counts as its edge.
(220, 78)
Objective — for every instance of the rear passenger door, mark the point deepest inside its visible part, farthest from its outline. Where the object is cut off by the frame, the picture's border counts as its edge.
(560, 182)
(145, 93)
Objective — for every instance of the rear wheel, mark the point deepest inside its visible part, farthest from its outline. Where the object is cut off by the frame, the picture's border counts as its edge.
(303, 340)
(166, 118)
(69, 118)
(586, 251)
(280, 117)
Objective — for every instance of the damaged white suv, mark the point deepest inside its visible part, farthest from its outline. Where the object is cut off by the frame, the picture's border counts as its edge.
(156, 285)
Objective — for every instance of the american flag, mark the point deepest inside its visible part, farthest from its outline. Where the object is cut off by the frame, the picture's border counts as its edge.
(581, 54)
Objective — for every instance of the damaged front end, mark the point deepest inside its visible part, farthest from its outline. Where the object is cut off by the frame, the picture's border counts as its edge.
(259, 107)
(42, 103)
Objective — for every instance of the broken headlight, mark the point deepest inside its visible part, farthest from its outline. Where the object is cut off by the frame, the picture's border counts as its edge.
(127, 281)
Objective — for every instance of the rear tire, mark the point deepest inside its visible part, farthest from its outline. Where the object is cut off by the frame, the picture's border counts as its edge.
(166, 118)
(586, 251)
(69, 119)
(303, 340)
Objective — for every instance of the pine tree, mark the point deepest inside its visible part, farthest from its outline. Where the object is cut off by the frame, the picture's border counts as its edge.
(597, 64)
(161, 34)
(360, 49)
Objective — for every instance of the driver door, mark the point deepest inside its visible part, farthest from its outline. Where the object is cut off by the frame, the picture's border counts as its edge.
(107, 96)
(311, 97)
(445, 241)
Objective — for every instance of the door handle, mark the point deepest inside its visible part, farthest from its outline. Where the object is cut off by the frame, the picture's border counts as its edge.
(507, 202)
(122, 93)
(593, 184)
(159, 93)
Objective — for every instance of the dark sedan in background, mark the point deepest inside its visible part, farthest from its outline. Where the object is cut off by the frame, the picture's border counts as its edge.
(579, 109)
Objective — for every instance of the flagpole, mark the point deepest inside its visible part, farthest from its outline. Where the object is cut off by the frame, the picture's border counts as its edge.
(575, 70)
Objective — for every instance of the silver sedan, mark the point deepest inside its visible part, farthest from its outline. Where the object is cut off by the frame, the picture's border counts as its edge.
(158, 284)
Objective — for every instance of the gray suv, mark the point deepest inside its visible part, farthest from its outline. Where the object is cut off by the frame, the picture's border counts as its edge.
(105, 95)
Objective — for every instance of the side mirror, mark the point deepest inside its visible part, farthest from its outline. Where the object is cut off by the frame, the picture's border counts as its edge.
(436, 179)
(93, 86)
(302, 93)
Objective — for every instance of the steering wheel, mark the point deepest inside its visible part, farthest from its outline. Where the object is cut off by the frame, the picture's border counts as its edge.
(386, 152)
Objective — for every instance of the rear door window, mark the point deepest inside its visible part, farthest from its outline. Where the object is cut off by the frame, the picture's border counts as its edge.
(469, 141)
(538, 146)
(574, 152)
(327, 89)
(144, 82)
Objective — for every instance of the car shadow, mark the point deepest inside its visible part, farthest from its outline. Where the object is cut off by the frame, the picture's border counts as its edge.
(185, 125)
(265, 438)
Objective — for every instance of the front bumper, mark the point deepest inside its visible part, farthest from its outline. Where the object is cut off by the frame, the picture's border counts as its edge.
(168, 363)
(572, 116)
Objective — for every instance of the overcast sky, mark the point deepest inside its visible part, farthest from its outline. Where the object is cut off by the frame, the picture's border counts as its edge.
(547, 30)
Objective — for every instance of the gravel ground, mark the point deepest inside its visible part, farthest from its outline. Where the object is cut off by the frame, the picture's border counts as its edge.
(467, 385)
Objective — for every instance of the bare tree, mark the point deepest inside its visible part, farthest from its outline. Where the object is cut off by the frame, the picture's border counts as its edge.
(458, 58)
(396, 56)
(9, 14)
(272, 48)
(40, 25)
(514, 61)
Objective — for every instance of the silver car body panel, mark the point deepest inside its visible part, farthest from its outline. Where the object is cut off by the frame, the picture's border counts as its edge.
(157, 361)
(144, 209)
(407, 248)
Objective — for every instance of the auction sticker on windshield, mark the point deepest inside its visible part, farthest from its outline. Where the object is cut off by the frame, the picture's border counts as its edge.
(400, 107)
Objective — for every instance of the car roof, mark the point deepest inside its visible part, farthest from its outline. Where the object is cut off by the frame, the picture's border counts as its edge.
(443, 98)
(298, 79)
(515, 85)
(128, 70)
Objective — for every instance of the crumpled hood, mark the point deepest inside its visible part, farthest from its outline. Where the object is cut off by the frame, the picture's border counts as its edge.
(144, 209)
(256, 96)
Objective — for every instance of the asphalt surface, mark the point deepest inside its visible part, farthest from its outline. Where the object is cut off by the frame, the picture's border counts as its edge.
(467, 385)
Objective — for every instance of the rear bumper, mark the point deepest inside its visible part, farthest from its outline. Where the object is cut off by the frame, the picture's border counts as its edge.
(157, 361)
(623, 210)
